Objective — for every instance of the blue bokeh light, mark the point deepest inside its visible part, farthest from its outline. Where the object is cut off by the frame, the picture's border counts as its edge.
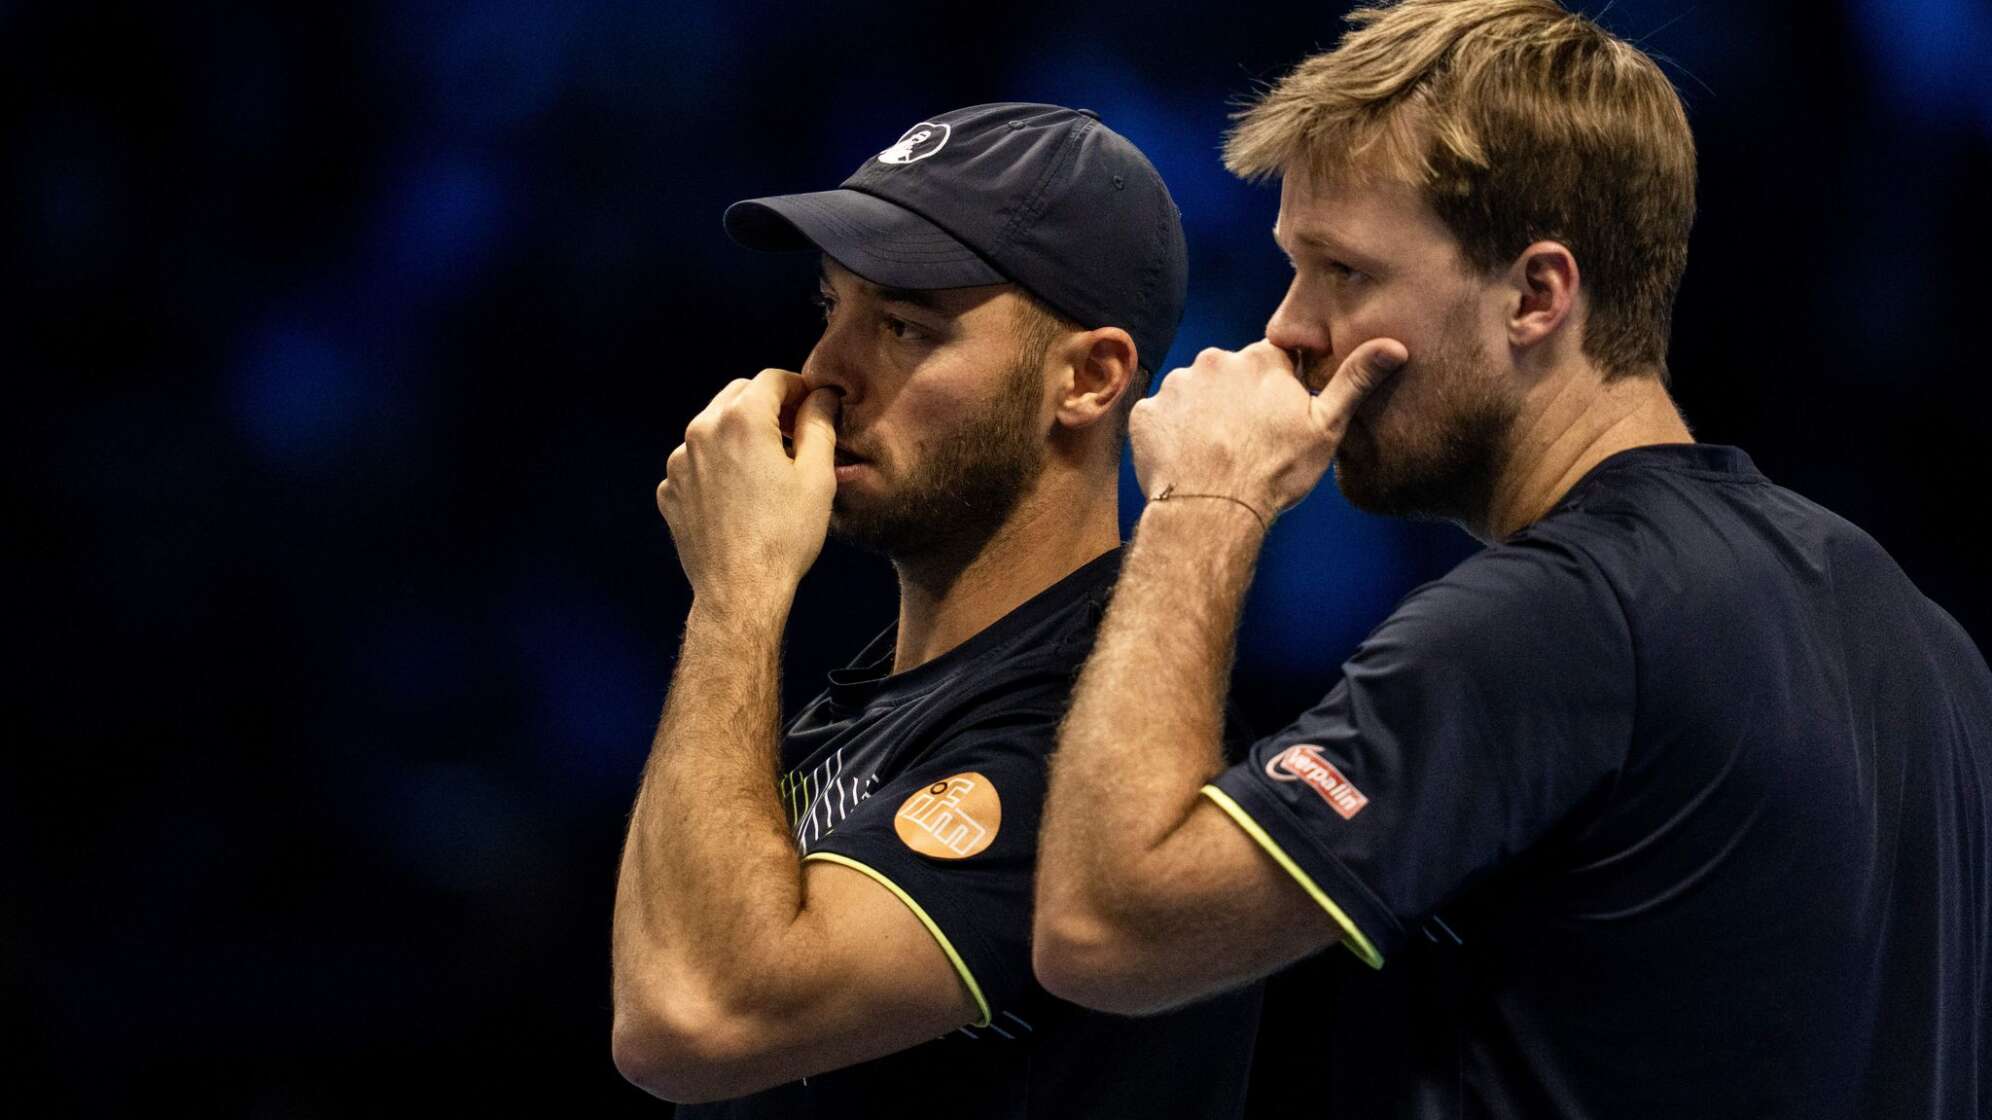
(1935, 54)
(298, 396)
(1327, 576)
(493, 64)
(596, 689)
(444, 216)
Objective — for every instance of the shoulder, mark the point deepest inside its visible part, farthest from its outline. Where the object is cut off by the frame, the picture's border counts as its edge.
(1539, 579)
(1004, 710)
(1021, 716)
(1532, 615)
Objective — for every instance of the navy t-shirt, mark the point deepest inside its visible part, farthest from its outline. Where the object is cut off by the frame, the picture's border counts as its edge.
(932, 782)
(1676, 803)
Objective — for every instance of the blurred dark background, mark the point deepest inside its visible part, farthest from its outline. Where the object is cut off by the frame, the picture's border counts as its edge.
(349, 342)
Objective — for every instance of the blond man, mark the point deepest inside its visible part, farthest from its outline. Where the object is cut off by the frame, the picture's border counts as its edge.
(1675, 800)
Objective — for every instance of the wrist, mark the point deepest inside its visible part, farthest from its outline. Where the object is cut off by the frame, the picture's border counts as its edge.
(1212, 543)
(1207, 514)
(761, 611)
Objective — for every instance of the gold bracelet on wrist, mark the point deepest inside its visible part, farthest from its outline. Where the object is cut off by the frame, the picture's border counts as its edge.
(1168, 493)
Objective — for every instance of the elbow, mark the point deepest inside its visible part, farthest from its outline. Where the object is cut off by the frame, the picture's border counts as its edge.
(679, 1057)
(666, 1063)
(1082, 957)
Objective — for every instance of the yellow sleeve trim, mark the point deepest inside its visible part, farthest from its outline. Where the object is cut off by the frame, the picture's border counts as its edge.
(967, 977)
(1356, 942)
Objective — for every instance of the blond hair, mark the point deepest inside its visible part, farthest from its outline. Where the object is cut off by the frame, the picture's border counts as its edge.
(1518, 121)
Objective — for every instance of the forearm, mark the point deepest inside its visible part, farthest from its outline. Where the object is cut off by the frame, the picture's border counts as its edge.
(1147, 894)
(710, 876)
(1146, 726)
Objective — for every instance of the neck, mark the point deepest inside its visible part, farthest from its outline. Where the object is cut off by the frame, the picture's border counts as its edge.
(1066, 519)
(1579, 422)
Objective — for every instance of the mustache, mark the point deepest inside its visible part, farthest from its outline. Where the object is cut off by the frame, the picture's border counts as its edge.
(1314, 379)
(851, 448)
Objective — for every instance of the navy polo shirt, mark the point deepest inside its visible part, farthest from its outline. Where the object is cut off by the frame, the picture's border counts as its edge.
(1676, 803)
(932, 782)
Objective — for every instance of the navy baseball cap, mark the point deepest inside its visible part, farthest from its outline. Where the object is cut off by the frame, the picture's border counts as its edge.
(1046, 197)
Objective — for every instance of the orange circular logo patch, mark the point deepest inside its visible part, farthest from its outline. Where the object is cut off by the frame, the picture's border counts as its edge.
(953, 818)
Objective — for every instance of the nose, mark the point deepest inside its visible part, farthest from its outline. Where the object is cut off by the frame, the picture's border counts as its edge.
(1297, 325)
(829, 366)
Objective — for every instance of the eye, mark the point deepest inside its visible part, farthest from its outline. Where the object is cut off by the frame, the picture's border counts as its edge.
(900, 329)
(1342, 271)
(826, 302)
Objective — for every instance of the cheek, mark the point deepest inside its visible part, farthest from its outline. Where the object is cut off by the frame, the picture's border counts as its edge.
(1406, 407)
(910, 423)
(1382, 415)
(1429, 339)
(1413, 309)
(1354, 320)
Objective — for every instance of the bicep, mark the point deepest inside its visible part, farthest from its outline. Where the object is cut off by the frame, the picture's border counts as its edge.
(862, 973)
(1256, 904)
(891, 964)
(1208, 910)
(903, 935)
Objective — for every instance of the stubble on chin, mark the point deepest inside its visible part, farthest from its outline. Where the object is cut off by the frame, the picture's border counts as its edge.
(1429, 443)
(961, 488)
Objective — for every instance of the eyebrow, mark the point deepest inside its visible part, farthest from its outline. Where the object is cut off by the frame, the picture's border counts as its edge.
(1338, 250)
(912, 297)
(927, 301)
(1312, 240)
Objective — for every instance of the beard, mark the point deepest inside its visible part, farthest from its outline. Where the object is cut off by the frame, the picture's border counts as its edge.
(1431, 440)
(950, 503)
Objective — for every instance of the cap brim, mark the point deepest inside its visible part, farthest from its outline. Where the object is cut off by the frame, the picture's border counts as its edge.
(881, 241)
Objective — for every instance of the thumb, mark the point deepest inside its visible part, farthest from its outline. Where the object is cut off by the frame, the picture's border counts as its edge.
(815, 441)
(1358, 376)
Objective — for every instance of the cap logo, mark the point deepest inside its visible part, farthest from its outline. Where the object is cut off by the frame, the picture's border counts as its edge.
(1304, 763)
(920, 141)
(953, 818)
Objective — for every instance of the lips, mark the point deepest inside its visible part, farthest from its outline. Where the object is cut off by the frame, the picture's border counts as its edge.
(849, 465)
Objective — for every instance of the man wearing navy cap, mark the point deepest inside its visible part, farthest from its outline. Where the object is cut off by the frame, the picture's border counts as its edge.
(831, 916)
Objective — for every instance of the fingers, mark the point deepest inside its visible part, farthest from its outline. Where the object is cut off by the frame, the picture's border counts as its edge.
(1264, 353)
(729, 394)
(675, 464)
(1358, 376)
(776, 390)
(772, 388)
(816, 432)
(771, 393)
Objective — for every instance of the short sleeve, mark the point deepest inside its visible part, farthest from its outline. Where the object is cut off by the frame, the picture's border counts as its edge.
(1474, 720)
(954, 837)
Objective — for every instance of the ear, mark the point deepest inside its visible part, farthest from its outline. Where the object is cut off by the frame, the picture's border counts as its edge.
(1544, 284)
(1100, 365)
